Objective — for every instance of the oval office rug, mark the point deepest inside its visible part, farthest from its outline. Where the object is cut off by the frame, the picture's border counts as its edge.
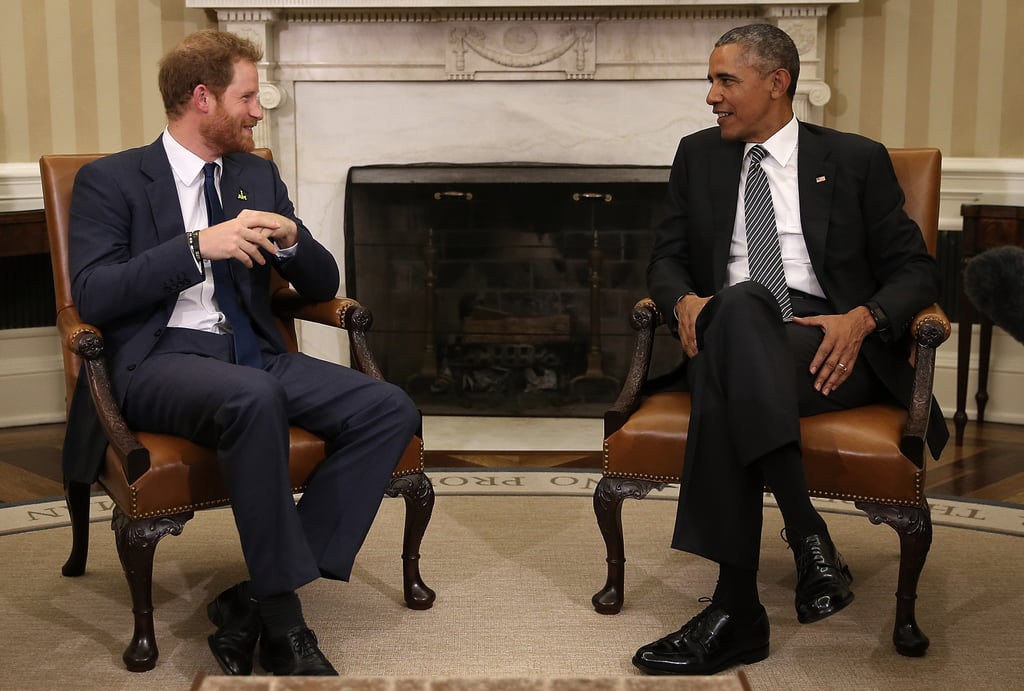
(514, 557)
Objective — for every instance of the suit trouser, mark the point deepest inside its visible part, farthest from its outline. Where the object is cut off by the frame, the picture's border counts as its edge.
(749, 386)
(189, 387)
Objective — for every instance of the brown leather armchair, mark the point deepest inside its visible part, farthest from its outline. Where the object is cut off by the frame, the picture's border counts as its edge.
(873, 456)
(158, 481)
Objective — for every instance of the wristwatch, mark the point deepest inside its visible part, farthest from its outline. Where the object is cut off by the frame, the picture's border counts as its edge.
(882, 326)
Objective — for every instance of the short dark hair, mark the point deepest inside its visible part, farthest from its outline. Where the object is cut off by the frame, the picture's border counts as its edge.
(767, 48)
(204, 57)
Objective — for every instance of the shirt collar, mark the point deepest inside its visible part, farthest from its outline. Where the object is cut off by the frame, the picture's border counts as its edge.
(782, 144)
(187, 167)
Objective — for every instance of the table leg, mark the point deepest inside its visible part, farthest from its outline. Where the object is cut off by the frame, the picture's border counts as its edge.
(984, 349)
(963, 365)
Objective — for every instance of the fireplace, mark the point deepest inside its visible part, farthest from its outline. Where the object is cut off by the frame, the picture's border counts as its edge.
(353, 90)
(508, 287)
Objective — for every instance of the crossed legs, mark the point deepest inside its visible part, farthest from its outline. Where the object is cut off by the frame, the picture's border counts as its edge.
(749, 386)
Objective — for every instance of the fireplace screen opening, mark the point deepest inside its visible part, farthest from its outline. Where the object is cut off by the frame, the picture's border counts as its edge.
(504, 289)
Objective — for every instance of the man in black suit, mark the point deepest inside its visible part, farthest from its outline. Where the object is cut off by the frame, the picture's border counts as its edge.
(170, 251)
(854, 270)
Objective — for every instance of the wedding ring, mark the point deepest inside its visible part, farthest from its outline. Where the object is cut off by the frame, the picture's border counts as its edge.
(841, 366)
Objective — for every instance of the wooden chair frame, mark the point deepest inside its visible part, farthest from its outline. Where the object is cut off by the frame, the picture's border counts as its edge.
(140, 521)
(893, 495)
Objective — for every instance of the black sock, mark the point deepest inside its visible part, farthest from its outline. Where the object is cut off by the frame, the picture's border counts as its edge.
(280, 612)
(736, 592)
(783, 472)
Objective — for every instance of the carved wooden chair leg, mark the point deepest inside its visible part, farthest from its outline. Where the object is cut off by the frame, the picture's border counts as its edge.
(914, 527)
(608, 497)
(136, 544)
(418, 493)
(76, 495)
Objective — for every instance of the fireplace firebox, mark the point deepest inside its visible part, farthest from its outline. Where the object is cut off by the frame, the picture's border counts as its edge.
(503, 289)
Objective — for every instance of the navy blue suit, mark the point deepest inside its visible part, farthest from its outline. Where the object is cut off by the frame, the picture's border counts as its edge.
(749, 381)
(129, 259)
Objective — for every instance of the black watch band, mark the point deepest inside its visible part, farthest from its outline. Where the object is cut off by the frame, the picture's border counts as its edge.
(881, 320)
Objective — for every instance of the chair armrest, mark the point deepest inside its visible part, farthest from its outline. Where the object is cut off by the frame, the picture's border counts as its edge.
(86, 341)
(644, 319)
(341, 313)
(929, 329)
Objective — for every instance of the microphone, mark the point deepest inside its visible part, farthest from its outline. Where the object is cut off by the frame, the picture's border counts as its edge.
(994, 282)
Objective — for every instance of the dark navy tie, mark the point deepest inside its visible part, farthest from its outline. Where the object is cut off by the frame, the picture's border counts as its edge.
(247, 345)
(764, 256)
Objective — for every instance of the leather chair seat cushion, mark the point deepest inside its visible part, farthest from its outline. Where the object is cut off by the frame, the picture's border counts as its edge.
(186, 477)
(851, 454)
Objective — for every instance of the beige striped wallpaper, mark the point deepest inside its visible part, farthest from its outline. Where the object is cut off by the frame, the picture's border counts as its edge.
(942, 73)
(80, 75)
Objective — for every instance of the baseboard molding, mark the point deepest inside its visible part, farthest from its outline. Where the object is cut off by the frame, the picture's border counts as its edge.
(31, 377)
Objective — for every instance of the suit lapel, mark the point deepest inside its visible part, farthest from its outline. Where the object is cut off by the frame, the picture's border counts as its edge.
(233, 193)
(816, 173)
(725, 177)
(162, 193)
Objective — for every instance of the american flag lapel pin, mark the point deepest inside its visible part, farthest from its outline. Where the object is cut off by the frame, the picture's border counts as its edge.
(820, 178)
(241, 194)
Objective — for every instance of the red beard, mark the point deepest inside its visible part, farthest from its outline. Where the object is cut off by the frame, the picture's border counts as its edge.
(225, 134)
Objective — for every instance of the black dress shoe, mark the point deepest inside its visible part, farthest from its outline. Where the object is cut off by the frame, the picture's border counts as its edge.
(294, 654)
(710, 642)
(822, 579)
(236, 616)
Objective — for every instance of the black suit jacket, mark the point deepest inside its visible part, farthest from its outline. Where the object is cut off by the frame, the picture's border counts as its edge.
(861, 243)
(129, 259)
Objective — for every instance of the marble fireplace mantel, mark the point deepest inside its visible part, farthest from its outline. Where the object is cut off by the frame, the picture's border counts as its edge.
(508, 40)
(348, 83)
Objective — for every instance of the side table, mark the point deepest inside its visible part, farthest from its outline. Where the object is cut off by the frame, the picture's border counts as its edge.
(985, 226)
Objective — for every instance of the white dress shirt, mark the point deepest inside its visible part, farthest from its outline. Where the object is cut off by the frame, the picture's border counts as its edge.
(197, 306)
(780, 167)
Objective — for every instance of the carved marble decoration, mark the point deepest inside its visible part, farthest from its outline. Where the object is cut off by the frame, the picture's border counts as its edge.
(257, 25)
(525, 50)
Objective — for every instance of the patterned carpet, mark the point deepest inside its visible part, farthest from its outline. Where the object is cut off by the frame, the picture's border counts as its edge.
(514, 558)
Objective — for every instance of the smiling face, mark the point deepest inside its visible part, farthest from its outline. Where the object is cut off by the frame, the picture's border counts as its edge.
(751, 105)
(227, 127)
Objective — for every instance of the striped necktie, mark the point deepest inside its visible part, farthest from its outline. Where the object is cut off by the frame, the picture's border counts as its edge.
(763, 254)
(247, 345)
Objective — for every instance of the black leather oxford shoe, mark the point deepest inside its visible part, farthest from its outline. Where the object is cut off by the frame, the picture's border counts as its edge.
(236, 616)
(294, 654)
(708, 643)
(822, 579)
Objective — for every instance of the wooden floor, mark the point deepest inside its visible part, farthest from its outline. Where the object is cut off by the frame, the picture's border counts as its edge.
(988, 466)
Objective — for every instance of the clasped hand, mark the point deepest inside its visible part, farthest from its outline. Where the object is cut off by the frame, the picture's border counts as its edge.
(244, 236)
(835, 358)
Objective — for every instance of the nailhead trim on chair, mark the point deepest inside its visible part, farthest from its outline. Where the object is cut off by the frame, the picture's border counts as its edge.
(179, 509)
(634, 476)
(170, 512)
(411, 471)
(918, 488)
(672, 479)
